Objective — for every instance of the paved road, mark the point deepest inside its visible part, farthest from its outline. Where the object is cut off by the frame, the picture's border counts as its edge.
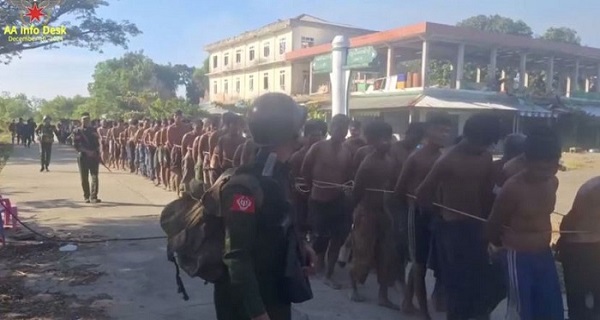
(138, 277)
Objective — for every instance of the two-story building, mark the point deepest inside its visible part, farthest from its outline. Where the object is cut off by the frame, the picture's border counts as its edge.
(252, 63)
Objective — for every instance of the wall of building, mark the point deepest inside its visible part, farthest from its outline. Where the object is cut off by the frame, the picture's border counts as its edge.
(274, 65)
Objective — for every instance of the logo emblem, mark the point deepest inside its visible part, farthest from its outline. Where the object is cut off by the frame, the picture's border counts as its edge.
(34, 10)
(243, 203)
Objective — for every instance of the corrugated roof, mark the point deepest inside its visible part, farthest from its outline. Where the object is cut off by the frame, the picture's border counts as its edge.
(446, 99)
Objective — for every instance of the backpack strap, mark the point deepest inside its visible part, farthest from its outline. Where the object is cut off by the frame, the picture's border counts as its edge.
(180, 286)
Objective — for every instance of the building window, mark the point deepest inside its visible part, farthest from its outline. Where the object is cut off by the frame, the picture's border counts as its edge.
(282, 46)
(226, 59)
(251, 54)
(266, 81)
(215, 87)
(307, 42)
(250, 83)
(238, 56)
(215, 62)
(225, 87)
(266, 50)
(282, 79)
(237, 85)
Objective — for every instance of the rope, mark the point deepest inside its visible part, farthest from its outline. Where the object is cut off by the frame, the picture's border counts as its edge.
(301, 187)
(56, 239)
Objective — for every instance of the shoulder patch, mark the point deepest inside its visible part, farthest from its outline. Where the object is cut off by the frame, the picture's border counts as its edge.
(243, 203)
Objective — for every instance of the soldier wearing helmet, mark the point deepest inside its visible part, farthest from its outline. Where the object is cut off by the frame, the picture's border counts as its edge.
(46, 132)
(266, 262)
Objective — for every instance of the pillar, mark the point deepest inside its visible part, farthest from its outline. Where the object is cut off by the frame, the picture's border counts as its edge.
(310, 78)
(587, 84)
(391, 62)
(522, 71)
(425, 64)
(503, 85)
(575, 80)
(478, 80)
(339, 54)
(493, 63)
(568, 89)
(598, 78)
(460, 65)
(550, 76)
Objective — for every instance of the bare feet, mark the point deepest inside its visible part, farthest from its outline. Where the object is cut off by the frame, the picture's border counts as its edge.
(332, 284)
(357, 297)
(386, 303)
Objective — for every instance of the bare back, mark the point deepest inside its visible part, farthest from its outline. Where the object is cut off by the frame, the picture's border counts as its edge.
(527, 207)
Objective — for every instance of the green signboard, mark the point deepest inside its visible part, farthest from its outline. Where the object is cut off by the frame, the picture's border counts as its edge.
(358, 58)
(322, 63)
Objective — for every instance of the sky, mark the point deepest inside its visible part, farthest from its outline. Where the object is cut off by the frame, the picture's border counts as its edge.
(176, 30)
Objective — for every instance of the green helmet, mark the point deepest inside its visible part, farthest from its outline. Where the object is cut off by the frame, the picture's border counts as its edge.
(274, 119)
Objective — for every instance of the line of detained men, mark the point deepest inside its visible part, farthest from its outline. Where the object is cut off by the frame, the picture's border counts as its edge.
(383, 229)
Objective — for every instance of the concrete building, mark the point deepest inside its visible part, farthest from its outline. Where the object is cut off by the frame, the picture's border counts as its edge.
(253, 63)
(392, 74)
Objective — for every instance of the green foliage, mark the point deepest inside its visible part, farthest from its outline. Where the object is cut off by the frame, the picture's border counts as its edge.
(497, 24)
(562, 34)
(84, 28)
(14, 107)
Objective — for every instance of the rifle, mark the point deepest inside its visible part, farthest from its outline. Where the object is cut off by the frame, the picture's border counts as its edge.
(96, 154)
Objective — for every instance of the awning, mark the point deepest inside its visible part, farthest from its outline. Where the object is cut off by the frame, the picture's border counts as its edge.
(593, 111)
(377, 101)
(431, 102)
(533, 111)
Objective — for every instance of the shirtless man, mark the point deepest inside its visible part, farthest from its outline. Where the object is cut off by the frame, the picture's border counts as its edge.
(131, 143)
(355, 141)
(113, 135)
(314, 131)
(104, 141)
(520, 222)
(414, 171)
(228, 119)
(175, 134)
(580, 252)
(140, 147)
(211, 127)
(151, 149)
(400, 150)
(228, 143)
(464, 176)
(372, 234)
(512, 160)
(124, 147)
(331, 162)
(187, 150)
(161, 154)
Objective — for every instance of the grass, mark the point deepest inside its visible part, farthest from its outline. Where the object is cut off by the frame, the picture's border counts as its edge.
(6, 148)
(574, 161)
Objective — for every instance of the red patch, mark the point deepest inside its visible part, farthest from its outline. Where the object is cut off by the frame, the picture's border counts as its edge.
(243, 203)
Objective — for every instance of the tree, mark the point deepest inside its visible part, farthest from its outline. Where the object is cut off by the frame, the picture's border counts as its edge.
(201, 79)
(497, 24)
(84, 28)
(562, 34)
(62, 107)
(15, 107)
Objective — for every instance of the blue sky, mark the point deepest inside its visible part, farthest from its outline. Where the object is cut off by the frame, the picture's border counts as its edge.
(176, 30)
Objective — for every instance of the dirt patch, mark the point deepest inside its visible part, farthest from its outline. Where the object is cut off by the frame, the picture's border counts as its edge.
(575, 161)
(19, 299)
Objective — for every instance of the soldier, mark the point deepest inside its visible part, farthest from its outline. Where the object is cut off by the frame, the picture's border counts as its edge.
(46, 132)
(256, 243)
(86, 141)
